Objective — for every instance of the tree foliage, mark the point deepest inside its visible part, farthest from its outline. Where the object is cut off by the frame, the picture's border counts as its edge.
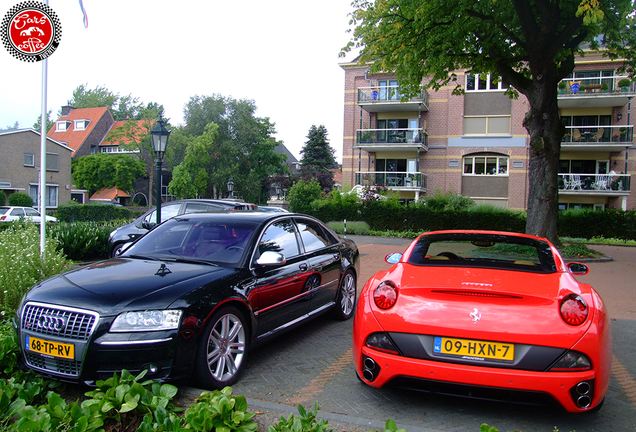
(243, 148)
(190, 178)
(38, 124)
(302, 194)
(125, 107)
(531, 44)
(99, 171)
(317, 154)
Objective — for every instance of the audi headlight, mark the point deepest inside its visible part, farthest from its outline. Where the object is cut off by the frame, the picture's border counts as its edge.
(149, 320)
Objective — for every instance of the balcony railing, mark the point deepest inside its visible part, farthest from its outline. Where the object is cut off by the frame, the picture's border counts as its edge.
(601, 184)
(392, 136)
(599, 134)
(391, 179)
(594, 85)
(388, 94)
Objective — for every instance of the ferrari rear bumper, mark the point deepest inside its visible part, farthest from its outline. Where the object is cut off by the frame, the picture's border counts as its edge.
(574, 391)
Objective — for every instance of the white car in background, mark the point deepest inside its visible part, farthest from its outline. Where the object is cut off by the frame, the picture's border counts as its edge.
(10, 214)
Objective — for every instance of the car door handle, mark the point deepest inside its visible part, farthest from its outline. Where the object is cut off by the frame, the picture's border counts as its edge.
(303, 267)
(336, 256)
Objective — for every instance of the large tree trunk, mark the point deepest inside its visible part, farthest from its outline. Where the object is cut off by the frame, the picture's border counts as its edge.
(546, 130)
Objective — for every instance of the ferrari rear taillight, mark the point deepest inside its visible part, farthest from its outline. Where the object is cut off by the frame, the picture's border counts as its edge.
(573, 310)
(381, 342)
(385, 295)
(572, 361)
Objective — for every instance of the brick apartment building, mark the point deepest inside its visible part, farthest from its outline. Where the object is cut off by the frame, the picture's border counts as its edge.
(475, 144)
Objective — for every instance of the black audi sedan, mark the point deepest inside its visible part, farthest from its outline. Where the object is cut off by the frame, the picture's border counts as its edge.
(188, 299)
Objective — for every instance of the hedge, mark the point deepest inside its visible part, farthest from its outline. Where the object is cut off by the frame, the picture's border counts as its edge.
(391, 215)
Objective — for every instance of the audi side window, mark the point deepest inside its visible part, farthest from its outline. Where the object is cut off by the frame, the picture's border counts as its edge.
(169, 211)
(17, 212)
(279, 237)
(195, 208)
(312, 235)
(31, 212)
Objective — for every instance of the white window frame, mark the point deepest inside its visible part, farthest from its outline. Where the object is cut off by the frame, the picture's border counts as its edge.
(500, 169)
(61, 126)
(499, 86)
(52, 195)
(80, 125)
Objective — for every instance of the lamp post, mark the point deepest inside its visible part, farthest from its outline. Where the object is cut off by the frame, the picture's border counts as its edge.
(160, 136)
(230, 188)
(278, 191)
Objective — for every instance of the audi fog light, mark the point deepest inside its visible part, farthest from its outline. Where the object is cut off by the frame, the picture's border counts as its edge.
(146, 321)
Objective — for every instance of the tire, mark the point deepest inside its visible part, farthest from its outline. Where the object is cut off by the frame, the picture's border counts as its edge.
(117, 249)
(346, 298)
(222, 350)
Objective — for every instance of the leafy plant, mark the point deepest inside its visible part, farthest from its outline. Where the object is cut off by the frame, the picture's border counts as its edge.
(624, 82)
(306, 423)
(220, 411)
(390, 426)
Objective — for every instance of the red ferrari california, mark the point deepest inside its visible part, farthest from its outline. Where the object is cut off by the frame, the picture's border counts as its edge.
(485, 314)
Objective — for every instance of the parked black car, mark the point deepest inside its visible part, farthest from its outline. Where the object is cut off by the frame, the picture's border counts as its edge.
(193, 296)
(128, 233)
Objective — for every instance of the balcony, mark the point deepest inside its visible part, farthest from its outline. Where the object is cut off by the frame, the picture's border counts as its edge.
(594, 92)
(388, 99)
(595, 184)
(401, 181)
(598, 138)
(375, 140)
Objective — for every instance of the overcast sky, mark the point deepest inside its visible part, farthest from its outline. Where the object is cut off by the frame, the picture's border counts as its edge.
(282, 54)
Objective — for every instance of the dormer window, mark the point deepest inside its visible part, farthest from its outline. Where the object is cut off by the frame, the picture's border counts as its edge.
(81, 124)
(61, 126)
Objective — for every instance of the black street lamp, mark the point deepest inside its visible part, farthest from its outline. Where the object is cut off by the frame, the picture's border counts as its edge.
(160, 136)
(230, 187)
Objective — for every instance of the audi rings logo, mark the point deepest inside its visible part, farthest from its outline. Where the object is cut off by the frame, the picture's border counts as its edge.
(51, 323)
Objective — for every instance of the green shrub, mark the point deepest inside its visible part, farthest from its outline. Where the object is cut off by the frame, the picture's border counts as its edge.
(21, 265)
(302, 194)
(3, 198)
(336, 206)
(449, 201)
(352, 227)
(92, 213)
(84, 241)
(624, 82)
(20, 200)
(306, 423)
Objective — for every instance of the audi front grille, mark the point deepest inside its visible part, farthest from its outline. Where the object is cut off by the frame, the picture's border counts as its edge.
(62, 324)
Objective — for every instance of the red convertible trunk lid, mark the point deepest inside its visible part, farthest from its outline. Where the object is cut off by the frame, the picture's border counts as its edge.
(482, 304)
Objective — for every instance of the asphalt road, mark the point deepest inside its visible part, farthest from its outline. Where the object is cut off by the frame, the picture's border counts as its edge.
(314, 364)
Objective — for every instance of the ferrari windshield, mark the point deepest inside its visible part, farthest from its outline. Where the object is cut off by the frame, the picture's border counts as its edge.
(189, 239)
(483, 250)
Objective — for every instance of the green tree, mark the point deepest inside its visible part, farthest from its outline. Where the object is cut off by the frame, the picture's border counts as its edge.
(243, 150)
(531, 44)
(99, 171)
(49, 123)
(121, 107)
(190, 178)
(15, 125)
(317, 158)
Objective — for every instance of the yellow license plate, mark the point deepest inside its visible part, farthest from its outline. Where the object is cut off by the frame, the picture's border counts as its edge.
(474, 348)
(55, 349)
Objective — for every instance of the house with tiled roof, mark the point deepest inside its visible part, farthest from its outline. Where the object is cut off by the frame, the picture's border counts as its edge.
(82, 129)
(111, 195)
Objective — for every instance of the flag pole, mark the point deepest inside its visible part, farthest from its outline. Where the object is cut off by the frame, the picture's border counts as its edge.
(42, 189)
